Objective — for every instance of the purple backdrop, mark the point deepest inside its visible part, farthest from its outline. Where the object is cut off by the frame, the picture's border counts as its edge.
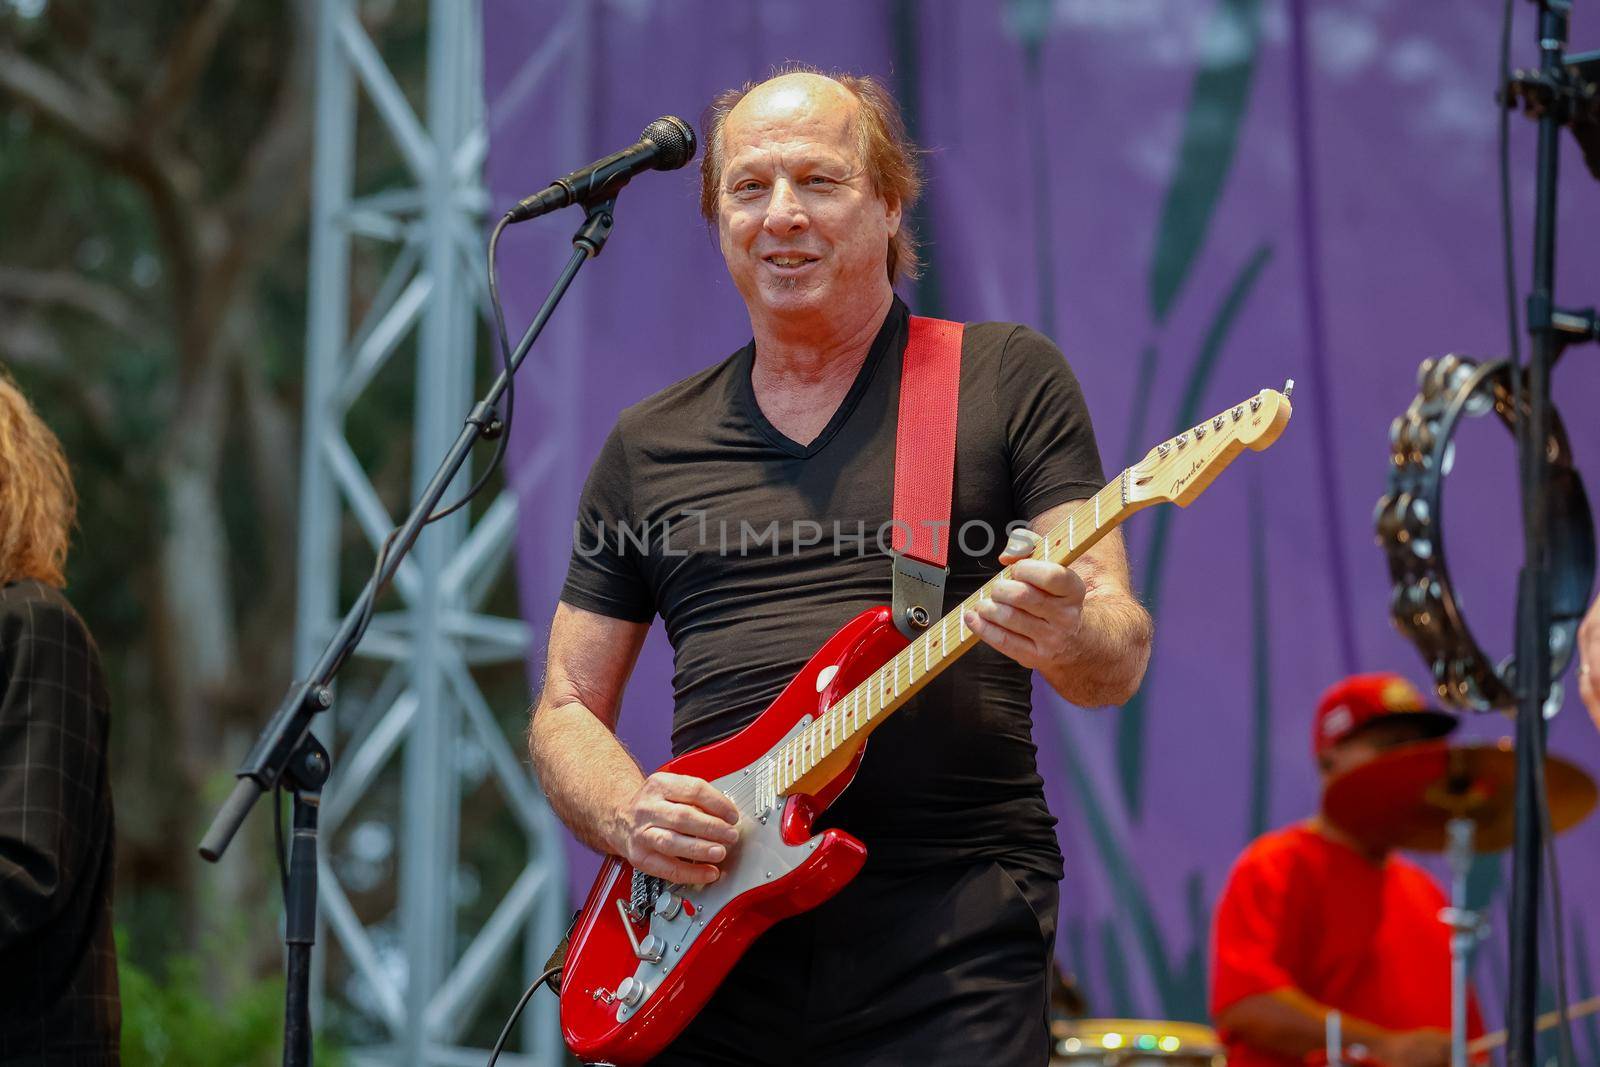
(1195, 200)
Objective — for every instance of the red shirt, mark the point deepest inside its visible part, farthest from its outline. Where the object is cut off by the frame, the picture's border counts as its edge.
(1305, 912)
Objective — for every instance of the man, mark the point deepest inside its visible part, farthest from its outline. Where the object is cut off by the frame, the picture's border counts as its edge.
(58, 974)
(939, 951)
(1312, 921)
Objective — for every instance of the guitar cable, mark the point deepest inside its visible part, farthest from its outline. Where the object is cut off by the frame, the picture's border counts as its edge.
(547, 976)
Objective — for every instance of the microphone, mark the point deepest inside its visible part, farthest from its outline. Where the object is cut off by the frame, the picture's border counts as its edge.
(666, 144)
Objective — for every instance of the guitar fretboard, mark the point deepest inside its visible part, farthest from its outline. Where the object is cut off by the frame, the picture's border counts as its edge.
(862, 709)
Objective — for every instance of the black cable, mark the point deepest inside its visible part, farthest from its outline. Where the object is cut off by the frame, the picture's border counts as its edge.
(505, 365)
(516, 1012)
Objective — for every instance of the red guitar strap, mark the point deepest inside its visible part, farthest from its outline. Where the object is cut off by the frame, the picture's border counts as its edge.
(924, 470)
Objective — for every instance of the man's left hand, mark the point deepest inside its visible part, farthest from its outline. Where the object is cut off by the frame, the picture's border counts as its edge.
(1036, 613)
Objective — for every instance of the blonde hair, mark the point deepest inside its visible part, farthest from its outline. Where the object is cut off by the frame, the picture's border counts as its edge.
(37, 501)
(889, 154)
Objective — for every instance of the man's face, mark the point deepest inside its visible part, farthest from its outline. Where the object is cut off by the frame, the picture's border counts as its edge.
(801, 229)
(1367, 745)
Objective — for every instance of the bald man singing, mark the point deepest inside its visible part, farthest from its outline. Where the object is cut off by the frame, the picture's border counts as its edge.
(939, 951)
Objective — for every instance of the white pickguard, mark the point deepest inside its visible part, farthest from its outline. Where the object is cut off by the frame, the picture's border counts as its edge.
(760, 857)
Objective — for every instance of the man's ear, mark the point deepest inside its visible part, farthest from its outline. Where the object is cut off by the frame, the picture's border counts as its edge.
(892, 215)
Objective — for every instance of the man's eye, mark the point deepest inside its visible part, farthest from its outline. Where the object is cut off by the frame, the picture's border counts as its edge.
(747, 186)
(817, 179)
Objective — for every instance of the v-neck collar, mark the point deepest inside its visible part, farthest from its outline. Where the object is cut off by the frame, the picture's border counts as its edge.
(893, 327)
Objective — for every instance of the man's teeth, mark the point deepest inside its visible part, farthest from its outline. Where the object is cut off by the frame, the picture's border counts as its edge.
(787, 261)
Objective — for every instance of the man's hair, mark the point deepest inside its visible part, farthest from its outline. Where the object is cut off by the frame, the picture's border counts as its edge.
(889, 155)
(37, 502)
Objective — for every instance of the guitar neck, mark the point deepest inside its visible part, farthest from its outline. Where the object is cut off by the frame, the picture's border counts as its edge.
(845, 723)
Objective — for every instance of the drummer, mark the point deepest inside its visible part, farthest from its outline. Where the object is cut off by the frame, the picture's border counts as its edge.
(1313, 921)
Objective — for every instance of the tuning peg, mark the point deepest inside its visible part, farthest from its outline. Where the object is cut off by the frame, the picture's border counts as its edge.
(1288, 389)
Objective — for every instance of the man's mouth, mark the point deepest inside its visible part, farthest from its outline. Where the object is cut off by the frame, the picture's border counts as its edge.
(789, 261)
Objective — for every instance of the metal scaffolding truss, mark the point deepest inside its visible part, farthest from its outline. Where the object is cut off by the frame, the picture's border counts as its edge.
(417, 986)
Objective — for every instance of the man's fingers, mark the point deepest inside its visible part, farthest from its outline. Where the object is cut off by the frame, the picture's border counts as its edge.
(1051, 577)
(1017, 646)
(683, 847)
(1017, 620)
(691, 822)
(697, 791)
(1019, 545)
(1036, 601)
(672, 870)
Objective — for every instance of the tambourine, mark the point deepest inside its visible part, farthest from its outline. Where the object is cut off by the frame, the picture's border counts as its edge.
(1409, 522)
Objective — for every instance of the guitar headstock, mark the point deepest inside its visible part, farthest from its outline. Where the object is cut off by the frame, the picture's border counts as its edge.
(1179, 468)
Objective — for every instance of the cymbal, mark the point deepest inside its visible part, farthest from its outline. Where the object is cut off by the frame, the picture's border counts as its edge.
(1406, 797)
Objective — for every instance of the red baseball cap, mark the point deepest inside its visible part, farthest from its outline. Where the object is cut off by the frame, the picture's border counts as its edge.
(1360, 700)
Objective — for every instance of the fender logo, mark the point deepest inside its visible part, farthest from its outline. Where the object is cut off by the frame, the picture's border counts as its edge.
(1179, 483)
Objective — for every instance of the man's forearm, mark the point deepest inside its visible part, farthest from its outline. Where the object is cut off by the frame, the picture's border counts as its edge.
(1288, 1022)
(1108, 656)
(585, 771)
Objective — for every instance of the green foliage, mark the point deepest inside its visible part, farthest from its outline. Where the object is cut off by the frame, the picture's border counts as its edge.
(173, 1021)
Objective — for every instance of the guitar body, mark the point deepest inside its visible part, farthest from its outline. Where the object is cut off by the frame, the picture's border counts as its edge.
(778, 869)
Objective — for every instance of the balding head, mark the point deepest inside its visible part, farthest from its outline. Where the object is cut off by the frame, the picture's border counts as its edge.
(859, 103)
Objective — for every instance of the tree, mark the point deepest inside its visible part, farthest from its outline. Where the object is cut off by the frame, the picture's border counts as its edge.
(155, 181)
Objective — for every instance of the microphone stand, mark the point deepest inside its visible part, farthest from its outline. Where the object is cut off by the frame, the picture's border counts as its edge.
(286, 753)
(1551, 329)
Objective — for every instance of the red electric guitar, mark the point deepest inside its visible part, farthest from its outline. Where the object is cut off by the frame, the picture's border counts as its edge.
(646, 955)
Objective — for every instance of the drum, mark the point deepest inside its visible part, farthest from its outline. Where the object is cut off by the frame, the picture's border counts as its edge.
(1134, 1043)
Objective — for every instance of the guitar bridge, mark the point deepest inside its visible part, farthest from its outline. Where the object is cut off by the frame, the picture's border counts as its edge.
(642, 898)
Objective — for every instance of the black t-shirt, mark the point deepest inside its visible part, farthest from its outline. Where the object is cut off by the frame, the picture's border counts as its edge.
(754, 549)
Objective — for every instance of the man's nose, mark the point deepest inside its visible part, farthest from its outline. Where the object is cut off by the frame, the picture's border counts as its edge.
(785, 213)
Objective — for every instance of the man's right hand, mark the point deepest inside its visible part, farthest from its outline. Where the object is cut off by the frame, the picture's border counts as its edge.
(1415, 1048)
(676, 827)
